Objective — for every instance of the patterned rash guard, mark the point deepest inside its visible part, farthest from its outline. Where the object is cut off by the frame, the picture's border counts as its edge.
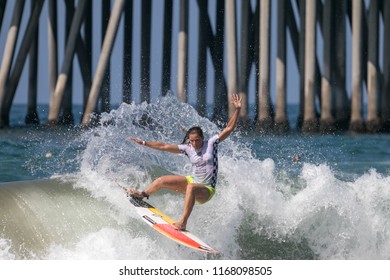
(204, 161)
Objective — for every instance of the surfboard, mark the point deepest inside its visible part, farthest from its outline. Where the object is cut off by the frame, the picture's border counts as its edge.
(163, 224)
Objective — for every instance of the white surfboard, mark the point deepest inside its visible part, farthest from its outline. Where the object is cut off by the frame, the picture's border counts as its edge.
(163, 224)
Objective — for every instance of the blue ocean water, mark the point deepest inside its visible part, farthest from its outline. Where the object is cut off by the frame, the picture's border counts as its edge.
(59, 197)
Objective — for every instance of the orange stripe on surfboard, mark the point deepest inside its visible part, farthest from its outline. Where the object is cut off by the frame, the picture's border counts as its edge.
(179, 236)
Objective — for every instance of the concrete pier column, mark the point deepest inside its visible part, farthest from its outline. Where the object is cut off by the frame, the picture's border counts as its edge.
(202, 58)
(127, 51)
(386, 69)
(327, 120)
(67, 63)
(357, 124)
(245, 63)
(146, 25)
(373, 120)
(52, 48)
(182, 73)
(9, 48)
(84, 54)
(342, 105)
(105, 90)
(281, 119)
(108, 44)
(20, 60)
(217, 43)
(66, 117)
(3, 4)
(167, 49)
(264, 121)
(32, 114)
(310, 122)
(231, 35)
(301, 61)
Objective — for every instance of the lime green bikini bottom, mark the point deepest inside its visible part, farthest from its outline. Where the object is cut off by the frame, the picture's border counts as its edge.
(190, 180)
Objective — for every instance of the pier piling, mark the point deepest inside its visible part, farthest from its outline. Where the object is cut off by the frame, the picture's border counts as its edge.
(234, 46)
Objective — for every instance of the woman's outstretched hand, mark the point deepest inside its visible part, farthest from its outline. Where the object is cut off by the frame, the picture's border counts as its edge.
(236, 100)
(136, 140)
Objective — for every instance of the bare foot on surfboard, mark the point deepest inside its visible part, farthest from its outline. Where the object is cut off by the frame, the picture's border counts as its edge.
(137, 194)
(180, 225)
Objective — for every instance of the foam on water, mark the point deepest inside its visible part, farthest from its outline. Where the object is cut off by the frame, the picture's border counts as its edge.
(109, 158)
(258, 211)
(333, 219)
(261, 210)
(107, 243)
(5, 246)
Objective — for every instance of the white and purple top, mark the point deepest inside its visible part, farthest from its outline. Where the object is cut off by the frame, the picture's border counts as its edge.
(204, 161)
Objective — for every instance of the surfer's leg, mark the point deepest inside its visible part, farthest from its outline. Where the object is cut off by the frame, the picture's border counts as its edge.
(171, 182)
(194, 192)
(174, 183)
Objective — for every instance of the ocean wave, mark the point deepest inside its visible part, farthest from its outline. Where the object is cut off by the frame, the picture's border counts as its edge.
(265, 207)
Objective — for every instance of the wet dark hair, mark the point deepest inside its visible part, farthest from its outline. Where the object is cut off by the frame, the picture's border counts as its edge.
(192, 130)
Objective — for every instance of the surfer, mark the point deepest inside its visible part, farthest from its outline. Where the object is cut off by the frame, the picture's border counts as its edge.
(200, 186)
